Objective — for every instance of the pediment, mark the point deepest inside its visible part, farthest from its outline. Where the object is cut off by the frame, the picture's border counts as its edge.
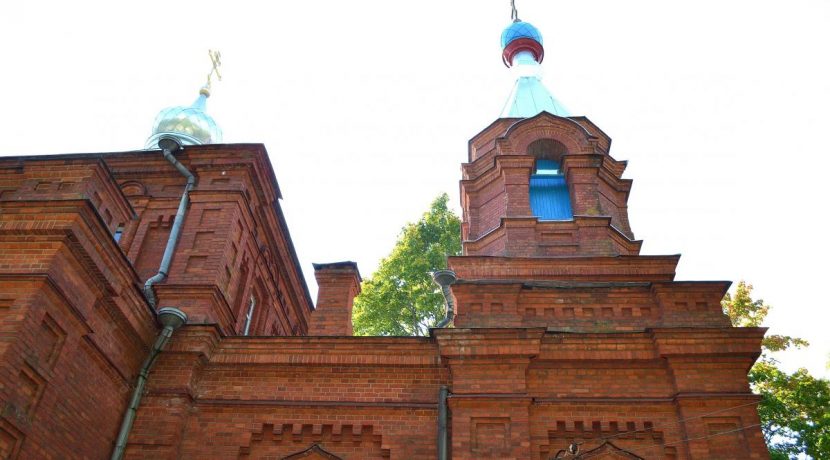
(547, 126)
(315, 452)
(608, 451)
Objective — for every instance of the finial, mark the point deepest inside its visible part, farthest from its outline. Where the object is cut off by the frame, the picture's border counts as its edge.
(216, 62)
(523, 51)
(514, 14)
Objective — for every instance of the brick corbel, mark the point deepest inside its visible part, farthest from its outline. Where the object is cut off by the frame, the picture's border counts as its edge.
(736, 341)
(711, 360)
(489, 360)
(179, 367)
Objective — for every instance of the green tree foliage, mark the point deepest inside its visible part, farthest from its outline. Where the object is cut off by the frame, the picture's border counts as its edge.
(400, 298)
(745, 312)
(795, 408)
(795, 411)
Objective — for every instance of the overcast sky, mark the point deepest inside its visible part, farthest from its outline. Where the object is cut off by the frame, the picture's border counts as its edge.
(720, 107)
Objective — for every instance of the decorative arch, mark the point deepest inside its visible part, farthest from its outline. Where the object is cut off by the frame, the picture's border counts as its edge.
(548, 192)
(292, 441)
(608, 451)
(133, 188)
(315, 452)
(547, 149)
(595, 438)
(569, 133)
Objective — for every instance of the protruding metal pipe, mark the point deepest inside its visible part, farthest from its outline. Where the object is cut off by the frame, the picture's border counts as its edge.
(442, 422)
(170, 319)
(250, 316)
(445, 278)
(170, 146)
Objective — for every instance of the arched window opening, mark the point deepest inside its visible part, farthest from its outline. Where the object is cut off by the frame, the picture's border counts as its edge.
(549, 197)
(547, 149)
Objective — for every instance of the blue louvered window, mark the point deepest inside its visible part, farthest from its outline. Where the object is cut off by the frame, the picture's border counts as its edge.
(549, 198)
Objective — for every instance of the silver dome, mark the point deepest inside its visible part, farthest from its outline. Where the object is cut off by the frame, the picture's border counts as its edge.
(190, 125)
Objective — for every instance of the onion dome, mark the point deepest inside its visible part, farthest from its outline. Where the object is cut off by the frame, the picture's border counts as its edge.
(521, 36)
(190, 125)
(522, 51)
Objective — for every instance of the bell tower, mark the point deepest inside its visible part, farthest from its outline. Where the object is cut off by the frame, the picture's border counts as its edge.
(545, 231)
(538, 181)
(562, 327)
(545, 186)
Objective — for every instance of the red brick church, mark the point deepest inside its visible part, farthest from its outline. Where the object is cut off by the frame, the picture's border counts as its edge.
(152, 307)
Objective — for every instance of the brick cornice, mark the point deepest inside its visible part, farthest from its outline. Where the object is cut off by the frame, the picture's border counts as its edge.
(604, 139)
(254, 403)
(605, 346)
(489, 343)
(623, 245)
(477, 178)
(618, 233)
(619, 268)
(379, 351)
(676, 398)
(484, 141)
(719, 286)
(727, 341)
(77, 225)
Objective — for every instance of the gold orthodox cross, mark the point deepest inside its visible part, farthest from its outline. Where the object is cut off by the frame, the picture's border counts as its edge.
(216, 62)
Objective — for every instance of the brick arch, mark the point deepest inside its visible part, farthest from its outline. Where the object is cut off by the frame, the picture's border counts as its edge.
(608, 451)
(315, 452)
(294, 441)
(133, 188)
(546, 126)
(594, 438)
(547, 149)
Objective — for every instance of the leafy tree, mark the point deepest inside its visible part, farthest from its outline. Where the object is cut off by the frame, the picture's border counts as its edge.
(400, 298)
(795, 411)
(795, 408)
(745, 312)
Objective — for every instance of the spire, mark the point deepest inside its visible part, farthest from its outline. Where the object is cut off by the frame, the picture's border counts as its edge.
(522, 51)
(190, 125)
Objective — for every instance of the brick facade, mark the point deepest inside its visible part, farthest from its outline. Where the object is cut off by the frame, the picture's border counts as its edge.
(564, 333)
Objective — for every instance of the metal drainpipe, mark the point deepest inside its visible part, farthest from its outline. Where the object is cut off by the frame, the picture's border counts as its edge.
(170, 146)
(445, 278)
(249, 316)
(171, 319)
(442, 422)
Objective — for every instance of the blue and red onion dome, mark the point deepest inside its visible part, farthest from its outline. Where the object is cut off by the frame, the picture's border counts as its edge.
(521, 36)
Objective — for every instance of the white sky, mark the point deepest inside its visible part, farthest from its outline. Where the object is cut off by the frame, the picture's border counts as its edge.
(366, 108)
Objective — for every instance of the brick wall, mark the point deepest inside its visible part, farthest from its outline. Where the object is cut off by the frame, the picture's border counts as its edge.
(564, 333)
(354, 397)
(234, 242)
(74, 327)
